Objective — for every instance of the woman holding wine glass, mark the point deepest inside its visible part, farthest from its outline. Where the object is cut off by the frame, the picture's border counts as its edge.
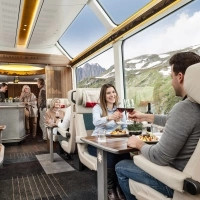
(105, 116)
(54, 113)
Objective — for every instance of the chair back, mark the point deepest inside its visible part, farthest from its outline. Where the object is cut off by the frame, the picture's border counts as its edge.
(192, 82)
(70, 145)
(84, 122)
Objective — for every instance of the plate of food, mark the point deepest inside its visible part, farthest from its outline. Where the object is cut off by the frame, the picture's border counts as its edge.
(118, 133)
(149, 138)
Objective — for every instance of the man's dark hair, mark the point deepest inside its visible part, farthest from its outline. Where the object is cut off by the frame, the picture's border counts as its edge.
(3, 85)
(181, 61)
(41, 81)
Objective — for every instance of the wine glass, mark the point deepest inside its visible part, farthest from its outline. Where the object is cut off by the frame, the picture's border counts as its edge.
(57, 114)
(120, 107)
(129, 106)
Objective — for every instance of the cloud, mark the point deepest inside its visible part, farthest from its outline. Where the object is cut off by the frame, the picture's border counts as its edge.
(184, 32)
(171, 33)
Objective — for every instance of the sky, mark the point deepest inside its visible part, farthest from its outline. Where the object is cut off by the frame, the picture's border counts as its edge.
(176, 31)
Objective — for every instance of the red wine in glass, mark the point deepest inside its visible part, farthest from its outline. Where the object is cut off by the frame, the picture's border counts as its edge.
(121, 110)
(129, 110)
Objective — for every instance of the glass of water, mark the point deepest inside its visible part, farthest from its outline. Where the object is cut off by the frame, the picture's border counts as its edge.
(102, 135)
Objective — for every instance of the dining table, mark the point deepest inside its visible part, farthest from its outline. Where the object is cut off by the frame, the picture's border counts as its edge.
(116, 145)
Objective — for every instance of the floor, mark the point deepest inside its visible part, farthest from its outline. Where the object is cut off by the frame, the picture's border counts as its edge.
(27, 173)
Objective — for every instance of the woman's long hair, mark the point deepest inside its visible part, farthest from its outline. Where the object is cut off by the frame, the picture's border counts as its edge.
(103, 102)
(27, 94)
(52, 103)
(26, 86)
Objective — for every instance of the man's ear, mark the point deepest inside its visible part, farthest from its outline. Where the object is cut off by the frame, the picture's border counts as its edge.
(180, 77)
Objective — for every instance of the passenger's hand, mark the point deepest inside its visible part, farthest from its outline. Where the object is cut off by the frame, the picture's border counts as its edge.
(135, 142)
(137, 116)
(116, 116)
(57, 121)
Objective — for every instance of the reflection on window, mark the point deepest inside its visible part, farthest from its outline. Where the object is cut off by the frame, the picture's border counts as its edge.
(96, 72)
(146, 56)
(120, 10)
(84, 31)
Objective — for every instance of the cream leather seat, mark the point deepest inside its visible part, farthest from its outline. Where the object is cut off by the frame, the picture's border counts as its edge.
(84, 125)
(186, 184)
(63, 102)
(70, 145)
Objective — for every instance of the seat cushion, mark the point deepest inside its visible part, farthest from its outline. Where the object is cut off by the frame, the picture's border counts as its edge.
(144, 192)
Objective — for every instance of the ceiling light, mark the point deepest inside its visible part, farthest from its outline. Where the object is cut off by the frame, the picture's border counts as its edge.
(27, 18)
(20, 68)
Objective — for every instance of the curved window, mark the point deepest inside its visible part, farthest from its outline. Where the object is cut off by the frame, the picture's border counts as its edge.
(146, 56)
(84, 31)
(120, 10)
(97, 71)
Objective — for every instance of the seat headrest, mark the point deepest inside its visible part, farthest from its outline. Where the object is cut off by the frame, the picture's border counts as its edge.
(192, 83)
(81, 100)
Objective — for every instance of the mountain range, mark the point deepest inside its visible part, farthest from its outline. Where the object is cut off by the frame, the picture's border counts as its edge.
(147, 79)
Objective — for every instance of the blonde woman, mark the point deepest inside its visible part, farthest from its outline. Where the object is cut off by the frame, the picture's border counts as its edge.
(54, 113)
(31, 110)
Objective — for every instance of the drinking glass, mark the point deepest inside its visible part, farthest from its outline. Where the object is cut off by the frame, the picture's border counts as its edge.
(129, 106)
(57, 114)
(120, 107)
(101, 135)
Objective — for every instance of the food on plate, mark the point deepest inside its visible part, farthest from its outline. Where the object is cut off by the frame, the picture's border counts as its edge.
(118, 132)
(148, 138)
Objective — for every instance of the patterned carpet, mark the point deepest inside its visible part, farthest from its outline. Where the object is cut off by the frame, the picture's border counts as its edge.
(23, 177)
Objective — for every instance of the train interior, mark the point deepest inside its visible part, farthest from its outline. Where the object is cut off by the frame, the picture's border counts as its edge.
(75, 44)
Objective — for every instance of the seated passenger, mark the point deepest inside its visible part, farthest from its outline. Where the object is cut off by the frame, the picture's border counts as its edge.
(31, 110)
(54, 113)
(65, 123)
(105, 115)
(182, 132)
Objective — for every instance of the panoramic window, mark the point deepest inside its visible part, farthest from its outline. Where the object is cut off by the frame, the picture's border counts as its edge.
(97, 71)
(120, 10)
(84, 31)
(146, 56)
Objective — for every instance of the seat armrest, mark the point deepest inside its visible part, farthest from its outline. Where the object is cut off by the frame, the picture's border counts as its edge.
(191, 186)
(63, 132)
(78, 140)
(167, 175)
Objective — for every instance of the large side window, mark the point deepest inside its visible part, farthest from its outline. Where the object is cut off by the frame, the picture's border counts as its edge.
(97, 71)
(146, 56)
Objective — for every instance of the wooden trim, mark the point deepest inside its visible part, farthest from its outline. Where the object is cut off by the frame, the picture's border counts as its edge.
(33, 58)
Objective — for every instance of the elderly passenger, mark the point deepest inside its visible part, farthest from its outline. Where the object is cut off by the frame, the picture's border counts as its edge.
(31, 110)
(54, 113)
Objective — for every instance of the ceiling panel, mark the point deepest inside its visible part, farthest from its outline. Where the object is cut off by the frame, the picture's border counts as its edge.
(53, 20)
(9, 11)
